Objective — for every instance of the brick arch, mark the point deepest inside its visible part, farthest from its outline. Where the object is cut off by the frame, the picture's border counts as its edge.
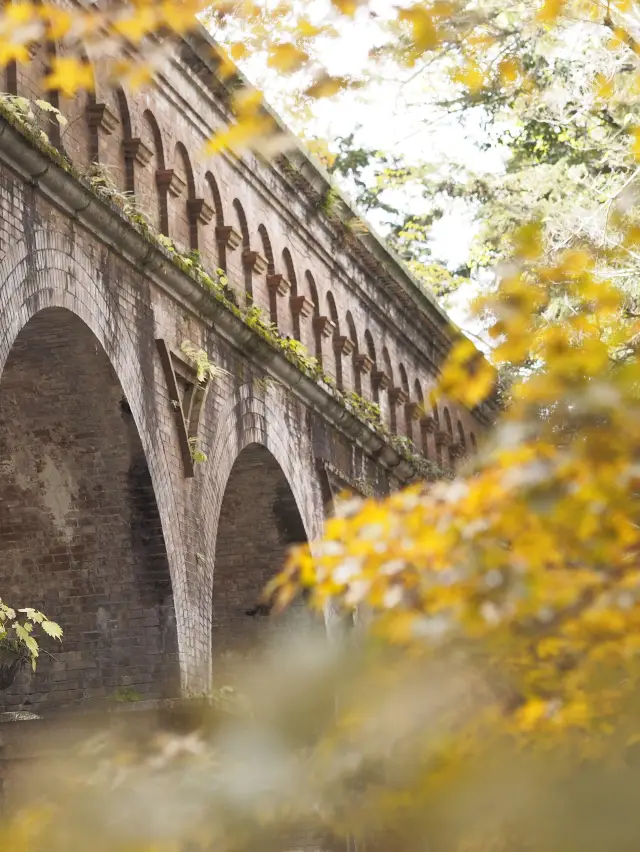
(57, 274)
(317, 332)
(247, 269)
(335, 342)
(421, 437)
(461, 438)
(435, 413)
(248, 419)
(154, 194)
(448, 424)
(404, 385)
(390, 404)
(371, 352)
(293, 318)
(448, 428)
(259, 521)
(267, 250)
(184, 225)
(126, 154)
(356, 382)
(215, 247)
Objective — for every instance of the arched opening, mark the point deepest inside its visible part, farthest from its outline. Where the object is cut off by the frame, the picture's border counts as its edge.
(154, 189)
(271, 271)
(81, 534)
(419, 401)
(337, 353)
(448, 427)
(246, 246)
(184, 228)
(438, 435)
(259, 521)
(404, 386)
(356, 382)
(213, 248)
(317, 333)
(293, 318)
(388, 399)
(461, 438)
(371, 352)
(126, 152)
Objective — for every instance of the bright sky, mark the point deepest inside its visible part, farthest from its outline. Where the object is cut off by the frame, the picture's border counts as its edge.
(393, 115)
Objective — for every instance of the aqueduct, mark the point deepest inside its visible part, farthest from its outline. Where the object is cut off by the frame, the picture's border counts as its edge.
(150, 559)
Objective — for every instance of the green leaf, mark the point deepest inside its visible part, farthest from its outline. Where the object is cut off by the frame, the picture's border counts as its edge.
(33, 614)
(52, 629)
(27, 639)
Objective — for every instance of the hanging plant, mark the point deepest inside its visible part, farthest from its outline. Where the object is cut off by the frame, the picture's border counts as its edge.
(18, 642)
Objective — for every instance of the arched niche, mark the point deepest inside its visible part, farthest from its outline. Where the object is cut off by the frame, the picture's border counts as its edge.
(259, 521)
(81, 533)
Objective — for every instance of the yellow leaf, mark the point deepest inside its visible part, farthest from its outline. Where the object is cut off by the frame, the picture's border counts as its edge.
(286, 57)
(10, 52)
(18, 14)
(327, 86)
(346, 7)
(604, 87)
(241, 135)
(58, 21)
(136, 74)
(137, 22)
(180, 16)
(533, 712)
(238, 51)
(509, 70)
(306, 29)
(247, 102)
(636, 142)
(550, 10)
(69, 75)
(425, 34)
(470, 76)
(467, 376)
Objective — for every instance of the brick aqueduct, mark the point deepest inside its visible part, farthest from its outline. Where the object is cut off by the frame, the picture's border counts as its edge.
(151, 563)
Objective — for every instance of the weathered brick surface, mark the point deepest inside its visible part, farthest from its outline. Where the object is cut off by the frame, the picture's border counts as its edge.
(98, 523)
